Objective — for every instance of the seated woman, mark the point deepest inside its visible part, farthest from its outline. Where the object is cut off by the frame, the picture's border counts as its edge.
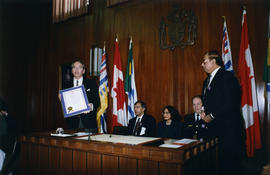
(170, 126)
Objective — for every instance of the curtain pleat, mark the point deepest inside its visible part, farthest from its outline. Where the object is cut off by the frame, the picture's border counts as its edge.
(65, 9)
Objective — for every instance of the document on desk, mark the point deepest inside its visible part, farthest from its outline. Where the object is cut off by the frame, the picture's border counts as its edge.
(132, 140)
(61, 135)
(184, 141)
(81, 134)
(170, 146)
(74, 101)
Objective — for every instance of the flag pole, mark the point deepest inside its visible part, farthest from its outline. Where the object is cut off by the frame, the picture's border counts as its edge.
(117, 37)
(224, 18)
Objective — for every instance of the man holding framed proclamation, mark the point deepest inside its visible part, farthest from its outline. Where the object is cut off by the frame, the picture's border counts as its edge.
(74, 101)
(80, 100)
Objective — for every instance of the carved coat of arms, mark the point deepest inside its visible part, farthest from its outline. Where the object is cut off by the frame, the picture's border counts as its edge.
(178, 29)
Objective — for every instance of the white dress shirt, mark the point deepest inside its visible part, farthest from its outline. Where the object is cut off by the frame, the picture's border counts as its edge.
(80, 81)
(213, 74)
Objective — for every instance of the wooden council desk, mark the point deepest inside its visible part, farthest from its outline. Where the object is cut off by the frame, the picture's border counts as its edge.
(48, 155)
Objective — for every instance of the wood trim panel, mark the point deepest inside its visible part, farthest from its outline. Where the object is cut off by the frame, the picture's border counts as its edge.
(51, 155)
(79, 162)
(109, 164)
(127, 166)
(94, 162)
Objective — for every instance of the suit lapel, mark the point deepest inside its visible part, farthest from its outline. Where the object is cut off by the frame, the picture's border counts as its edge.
(70, 83)
(84, 81)
(142, 124)
(214, 80)
(143, 119)
(194, 118)
(212, 83)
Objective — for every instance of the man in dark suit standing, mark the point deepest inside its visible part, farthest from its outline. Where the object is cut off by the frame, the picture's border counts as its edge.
(142, 124)
(194, 126)
(221, 98)
(88, 119)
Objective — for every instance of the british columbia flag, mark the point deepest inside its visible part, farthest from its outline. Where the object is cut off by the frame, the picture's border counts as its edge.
(226, 49)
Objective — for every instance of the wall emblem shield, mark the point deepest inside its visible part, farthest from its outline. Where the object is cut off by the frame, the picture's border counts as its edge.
(179, 28)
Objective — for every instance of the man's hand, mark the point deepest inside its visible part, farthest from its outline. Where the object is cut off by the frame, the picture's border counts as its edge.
(3, 113)
(206, 118)
(59, 96)
(91, 108)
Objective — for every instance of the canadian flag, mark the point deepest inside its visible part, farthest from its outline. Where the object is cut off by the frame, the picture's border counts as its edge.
(118, 92)
(249, 101)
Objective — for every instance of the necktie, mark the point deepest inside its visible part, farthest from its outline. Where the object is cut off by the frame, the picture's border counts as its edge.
(208, 80)
(207, 83)
(136, 128)
(77, 83)
(196, 129)
(197, 117)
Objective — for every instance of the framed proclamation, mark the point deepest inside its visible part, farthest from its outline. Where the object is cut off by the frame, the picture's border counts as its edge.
(74, 101)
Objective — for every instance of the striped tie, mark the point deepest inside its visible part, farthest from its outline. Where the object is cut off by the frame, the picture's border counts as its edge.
(136, 128)
(207, 83)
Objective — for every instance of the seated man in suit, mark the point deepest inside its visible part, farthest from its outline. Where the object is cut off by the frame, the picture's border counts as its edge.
(194, 126)
(142, 124)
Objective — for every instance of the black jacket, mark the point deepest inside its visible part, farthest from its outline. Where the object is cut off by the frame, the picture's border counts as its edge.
(194, 129)
(89, 119)
(222, 99)
(173, 131)
(148, 122)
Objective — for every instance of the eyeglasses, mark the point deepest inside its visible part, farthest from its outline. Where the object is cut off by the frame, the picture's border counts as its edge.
(165, 113)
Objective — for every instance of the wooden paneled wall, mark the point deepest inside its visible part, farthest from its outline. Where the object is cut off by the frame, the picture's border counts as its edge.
(33, 49)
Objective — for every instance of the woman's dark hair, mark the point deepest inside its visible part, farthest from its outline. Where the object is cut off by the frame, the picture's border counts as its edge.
(213, 54)
(174, 113)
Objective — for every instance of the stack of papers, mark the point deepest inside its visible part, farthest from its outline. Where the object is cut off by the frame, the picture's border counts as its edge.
(177, 143)
(184, 141)
(81, 134)
(169, 146)
(61, 135)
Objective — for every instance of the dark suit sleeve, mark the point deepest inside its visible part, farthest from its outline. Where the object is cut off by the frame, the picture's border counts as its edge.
(150, 127)
(131, 124)
(159, 129)
(223, 102)
(180, 130)
(92, 93)
(230, 101)
(187, 130)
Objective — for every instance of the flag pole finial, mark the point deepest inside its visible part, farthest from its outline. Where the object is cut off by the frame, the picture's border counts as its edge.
(244, 7)
(224, 17)
(117, 36)
(104, 44)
